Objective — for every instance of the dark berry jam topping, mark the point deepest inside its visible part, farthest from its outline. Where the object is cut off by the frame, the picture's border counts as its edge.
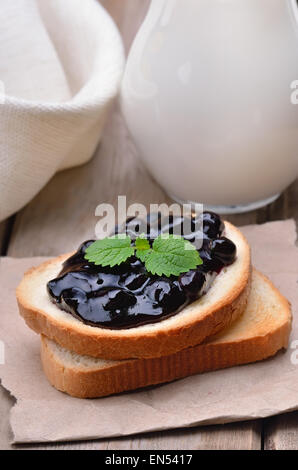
(127, 295)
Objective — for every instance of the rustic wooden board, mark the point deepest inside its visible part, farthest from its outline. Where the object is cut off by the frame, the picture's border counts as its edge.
(281, 432)
(62, 215)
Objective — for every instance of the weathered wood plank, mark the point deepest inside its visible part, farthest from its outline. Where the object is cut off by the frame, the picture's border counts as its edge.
(286, 206)
(5, 230)
(2, 236)
(281, 432)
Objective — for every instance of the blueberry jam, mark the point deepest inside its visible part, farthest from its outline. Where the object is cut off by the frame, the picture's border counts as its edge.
(127, 295)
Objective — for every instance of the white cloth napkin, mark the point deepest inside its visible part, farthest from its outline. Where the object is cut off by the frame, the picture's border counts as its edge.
(61, 63)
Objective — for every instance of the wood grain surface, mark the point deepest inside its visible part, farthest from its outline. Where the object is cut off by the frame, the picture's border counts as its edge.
(63, 214)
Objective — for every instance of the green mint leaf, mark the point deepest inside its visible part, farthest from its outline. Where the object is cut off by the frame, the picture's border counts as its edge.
(171, 255)
(142, 248)
(142, 255)
(110, 251)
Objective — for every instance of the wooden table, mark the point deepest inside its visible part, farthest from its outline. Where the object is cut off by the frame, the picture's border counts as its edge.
(62, 215)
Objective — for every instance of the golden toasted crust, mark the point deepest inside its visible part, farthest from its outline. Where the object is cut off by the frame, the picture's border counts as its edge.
(215, 353)
(163, 338)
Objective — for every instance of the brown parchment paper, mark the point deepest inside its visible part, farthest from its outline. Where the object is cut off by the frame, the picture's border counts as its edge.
(42, 414)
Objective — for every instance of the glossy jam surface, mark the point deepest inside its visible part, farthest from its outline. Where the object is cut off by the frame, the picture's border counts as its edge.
(126, 296)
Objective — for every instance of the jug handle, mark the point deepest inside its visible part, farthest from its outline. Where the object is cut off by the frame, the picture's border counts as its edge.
(294, 5)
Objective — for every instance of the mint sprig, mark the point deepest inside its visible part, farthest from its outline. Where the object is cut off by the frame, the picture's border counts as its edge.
(169, 255)
(110, 251)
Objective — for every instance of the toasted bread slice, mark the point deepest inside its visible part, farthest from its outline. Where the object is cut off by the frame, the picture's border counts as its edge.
(223, 303)
(263, 329)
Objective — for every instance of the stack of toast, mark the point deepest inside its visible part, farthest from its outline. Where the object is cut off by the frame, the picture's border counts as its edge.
(242, 318)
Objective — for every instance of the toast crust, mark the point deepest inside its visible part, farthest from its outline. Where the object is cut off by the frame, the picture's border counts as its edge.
(166, 337)
(120, 376)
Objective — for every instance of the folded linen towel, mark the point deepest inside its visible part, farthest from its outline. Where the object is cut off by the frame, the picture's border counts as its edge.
(61, 64)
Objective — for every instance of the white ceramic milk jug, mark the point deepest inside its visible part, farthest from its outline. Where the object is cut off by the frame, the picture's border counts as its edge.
(208, 98)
